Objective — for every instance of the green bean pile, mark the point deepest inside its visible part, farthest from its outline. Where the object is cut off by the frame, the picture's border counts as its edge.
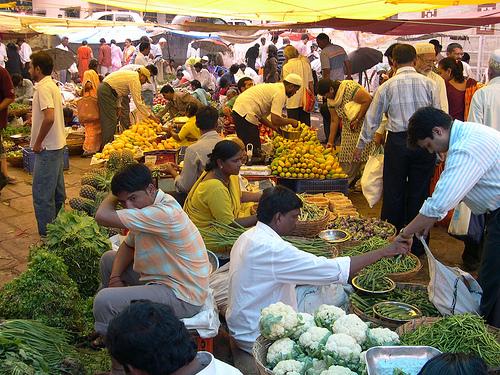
(310, 211)
(396, 312)
(417, 298)
(373, 280)
(222, 235)
(465, 333)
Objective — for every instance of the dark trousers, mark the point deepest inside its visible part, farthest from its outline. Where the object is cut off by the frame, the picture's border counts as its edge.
(489, 273)
(299, 114)
(247, 132)
(325, 112)
(407, 176)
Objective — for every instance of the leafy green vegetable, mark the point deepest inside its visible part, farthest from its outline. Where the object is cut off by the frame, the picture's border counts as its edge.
(80, 242)
(44, 292)
(11, 130)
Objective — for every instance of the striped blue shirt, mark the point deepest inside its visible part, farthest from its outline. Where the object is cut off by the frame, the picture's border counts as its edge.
(471, 173)
(399, 97)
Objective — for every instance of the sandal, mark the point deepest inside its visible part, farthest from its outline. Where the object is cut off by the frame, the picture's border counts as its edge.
(11, 180)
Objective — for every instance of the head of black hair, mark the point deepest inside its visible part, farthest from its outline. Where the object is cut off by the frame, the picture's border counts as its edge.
(466, 57)
(149, 337)
(68, 113)
(144, 46)
(404, 54)
(224, 82)
(43, 61)
(93, 64)
(456, 68)
(455, 364)
(452, 46)
(167, 89)
(152, 69)
(242, 81)
(195, 84)
(207, 118)
(133, 177)
(113, 41)
(323, 36)
(234, 69)
(16, 79)
(144, 38)
(278, 199)
(223, 150)
(304, 36)
(12, 46)
(437, 46)
(243, 67)
(84, 43)
(422, 122)
(325, 84)
(198, 65)
(191, 109)
(102, 40)
(272, 51)
(179, 74)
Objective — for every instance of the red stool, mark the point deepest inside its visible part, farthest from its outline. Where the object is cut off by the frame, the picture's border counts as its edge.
(205, 345)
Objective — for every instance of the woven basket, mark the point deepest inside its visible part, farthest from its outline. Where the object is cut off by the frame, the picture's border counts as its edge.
(259, 352)
(16, 162)
(75, 144)
(408, 275)
(383, 322)
(311, 228)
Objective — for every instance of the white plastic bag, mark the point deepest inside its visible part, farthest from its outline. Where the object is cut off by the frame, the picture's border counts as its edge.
(459, 224)
(450, 289)
(372, 183)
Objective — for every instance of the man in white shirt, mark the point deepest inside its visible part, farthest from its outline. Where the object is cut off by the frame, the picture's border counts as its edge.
(265, 269)
(146, 338)
(142, 57)
(253, 107)
(47, 142)
(485, 105)
(456, 51)
(201, 74)
(246, 71)
(64, 46)
(471, 175)
(25, 53)
(426, 59)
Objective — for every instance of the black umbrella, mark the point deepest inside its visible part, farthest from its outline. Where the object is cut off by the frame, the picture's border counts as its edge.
(364, 58)
(62, 59)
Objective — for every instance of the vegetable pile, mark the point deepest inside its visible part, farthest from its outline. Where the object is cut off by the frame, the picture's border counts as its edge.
(364, 228)
(373, 280)
(396, 311)
(330, 343)
(310, 211)
(12, 130)
(465, 333)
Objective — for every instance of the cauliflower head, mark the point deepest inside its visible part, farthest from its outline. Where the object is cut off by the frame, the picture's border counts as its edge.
(307, 321)
(281, 350)
(313, 340)
(289, 367)
(343, 348)
(277, 321)
(381, 337)
(338, 370)
(317, 366)
(326, 315)
(351, 325)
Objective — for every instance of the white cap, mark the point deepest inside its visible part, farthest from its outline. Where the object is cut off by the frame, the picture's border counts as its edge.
(423, 48)
(162, 40)
(494, 62)
(294, 79)
(205, 58)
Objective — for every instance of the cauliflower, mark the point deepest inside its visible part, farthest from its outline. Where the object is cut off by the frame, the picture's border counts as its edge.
(307, 322)
(381, 337)
(313, 340)
(338, 370)
(282, 349)
(317, 366)
(289, 367)
(326, 315)
(353, 326)
(343, 349)
(277, 321)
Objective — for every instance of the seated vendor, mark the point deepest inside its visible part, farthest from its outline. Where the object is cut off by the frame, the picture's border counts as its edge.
(198, 92)
(189, 132)
(23, 89)
(265, 269)
(163, 259)
(196, 156)
(177, 102)
(217, 195)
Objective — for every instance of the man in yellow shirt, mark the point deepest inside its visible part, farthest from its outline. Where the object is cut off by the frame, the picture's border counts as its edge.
(117, 86)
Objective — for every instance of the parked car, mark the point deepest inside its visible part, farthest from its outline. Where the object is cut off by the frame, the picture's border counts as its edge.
(119, 16)
(179, 20)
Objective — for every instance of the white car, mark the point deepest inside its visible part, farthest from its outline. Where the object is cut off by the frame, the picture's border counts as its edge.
(119, 16)
(180, 20)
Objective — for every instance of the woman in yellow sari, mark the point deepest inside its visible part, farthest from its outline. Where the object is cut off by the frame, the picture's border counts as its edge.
(217, 195)
(90, 83)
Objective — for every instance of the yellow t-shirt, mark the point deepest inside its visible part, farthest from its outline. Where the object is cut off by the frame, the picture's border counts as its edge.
(189, 130)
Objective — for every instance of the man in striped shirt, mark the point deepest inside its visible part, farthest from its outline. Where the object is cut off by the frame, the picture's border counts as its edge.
(407, 173)
(472, 175)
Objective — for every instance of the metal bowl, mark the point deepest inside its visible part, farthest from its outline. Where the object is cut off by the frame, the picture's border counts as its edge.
(292, 135)
(361, 289)
(334, 235)
(413, 311)
(385, 359)
(214, 262)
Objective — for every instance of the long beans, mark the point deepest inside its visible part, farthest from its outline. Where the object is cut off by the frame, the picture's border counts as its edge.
(310, 211)
(465, 333)
(373, 280)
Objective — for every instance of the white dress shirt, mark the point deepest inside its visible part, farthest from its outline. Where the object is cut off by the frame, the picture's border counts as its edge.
(399, 97)
(215, 367)
(61, 46)
(206, 78)
(471, 172)
(265, 269)
(467, 70)
(485, 105)
(25, 53)
(441, 89)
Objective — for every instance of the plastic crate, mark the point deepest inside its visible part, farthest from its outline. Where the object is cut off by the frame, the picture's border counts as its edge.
(315, 186)
(29, 159)
(161, 156)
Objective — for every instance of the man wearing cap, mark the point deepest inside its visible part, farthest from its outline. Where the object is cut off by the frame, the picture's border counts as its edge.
(118, 86)
(263, 104)
(485, 105)
(426, 58)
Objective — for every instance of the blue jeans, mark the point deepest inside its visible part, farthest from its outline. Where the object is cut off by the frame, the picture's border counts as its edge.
(48, 187)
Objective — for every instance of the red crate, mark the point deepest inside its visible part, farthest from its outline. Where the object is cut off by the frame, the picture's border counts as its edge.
(204, 345)
(161, 156)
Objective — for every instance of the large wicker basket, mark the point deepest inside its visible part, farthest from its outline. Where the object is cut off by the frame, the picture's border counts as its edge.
(311, 228)
(407, 276)
(16, 162)
(75, 143)
(260, 353)
(382, 322)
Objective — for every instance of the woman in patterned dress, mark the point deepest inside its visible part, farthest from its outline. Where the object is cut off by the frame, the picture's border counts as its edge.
(348, 102)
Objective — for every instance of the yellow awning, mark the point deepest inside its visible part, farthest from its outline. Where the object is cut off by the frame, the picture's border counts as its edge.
(284, 10)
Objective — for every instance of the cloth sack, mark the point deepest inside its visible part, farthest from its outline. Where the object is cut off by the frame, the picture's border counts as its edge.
(450, 289)
(352, 109)
(88, 109)
(372, 182)
(466, 226)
